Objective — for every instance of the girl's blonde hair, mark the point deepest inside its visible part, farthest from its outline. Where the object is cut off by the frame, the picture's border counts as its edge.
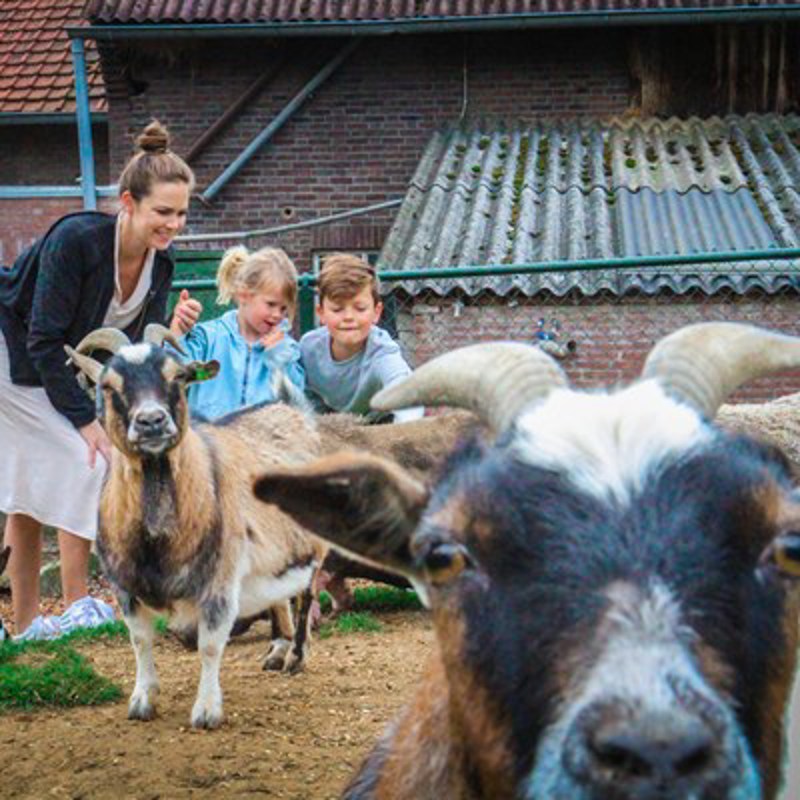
(270, 267)
(153, 162)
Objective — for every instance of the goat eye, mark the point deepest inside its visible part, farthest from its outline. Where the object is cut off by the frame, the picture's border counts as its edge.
(786, 554)
(445, 561)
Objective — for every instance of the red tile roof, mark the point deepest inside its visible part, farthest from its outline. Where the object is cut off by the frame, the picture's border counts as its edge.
(35, 59)
(316, 11)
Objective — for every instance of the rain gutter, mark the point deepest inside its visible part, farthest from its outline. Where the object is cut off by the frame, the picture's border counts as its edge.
(39, 118)
(570, 19)
(30, 192)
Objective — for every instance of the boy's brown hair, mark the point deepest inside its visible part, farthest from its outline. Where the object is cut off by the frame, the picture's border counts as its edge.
(344, 275)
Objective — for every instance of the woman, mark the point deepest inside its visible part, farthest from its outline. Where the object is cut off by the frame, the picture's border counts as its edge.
(88, 271)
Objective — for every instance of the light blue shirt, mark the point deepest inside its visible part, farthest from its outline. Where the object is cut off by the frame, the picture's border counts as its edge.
(245, 368)
(350, 385)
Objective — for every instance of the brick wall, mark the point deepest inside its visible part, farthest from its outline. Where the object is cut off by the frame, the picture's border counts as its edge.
(41, 155)
(47, 155)
(22, 221)
(612, 335)
(358, 140)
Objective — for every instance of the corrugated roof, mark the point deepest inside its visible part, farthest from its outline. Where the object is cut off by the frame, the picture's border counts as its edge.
(239, 11)
(35, 59)
(517, 194)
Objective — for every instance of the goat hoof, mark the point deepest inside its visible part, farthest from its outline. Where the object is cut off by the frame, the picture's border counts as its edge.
(209, 719)
(293, 664)
(277, 655)
(141, 709)
(274, 663)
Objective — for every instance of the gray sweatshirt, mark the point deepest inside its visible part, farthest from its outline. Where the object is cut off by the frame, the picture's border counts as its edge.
(350, 385)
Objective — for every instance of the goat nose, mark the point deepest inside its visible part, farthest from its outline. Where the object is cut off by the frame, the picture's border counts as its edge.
(636, 752)
(661, 753)
(151, 419)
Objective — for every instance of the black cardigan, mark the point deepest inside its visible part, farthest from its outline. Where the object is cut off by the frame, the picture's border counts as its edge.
(59, 290)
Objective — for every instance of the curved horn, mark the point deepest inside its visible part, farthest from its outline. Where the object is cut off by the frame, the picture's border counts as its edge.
(110, 339)
(495, 380)
(703, 364)
(90, 366)
(157, 334)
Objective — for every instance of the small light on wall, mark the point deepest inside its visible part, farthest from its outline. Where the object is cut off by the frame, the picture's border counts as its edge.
(458, 307)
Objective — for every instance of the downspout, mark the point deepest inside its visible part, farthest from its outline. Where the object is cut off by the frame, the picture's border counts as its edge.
(280, 120)
(84, 119)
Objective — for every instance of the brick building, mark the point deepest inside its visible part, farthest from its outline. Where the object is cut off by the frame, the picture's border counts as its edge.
(404, 73)
(39, 165)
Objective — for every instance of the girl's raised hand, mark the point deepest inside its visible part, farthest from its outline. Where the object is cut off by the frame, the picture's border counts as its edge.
(272, 338)
(187, 312)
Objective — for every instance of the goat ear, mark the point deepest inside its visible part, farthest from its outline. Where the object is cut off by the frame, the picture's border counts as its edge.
(360, 503)
(197, 371)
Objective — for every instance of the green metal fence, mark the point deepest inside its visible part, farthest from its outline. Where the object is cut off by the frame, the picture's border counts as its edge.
(600, 316)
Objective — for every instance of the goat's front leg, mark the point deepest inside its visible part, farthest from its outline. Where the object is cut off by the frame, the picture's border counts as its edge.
(140, 625)
(217, 615)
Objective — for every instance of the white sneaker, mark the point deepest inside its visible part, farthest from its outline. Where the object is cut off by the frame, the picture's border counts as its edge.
(41, 629)
(88, 612)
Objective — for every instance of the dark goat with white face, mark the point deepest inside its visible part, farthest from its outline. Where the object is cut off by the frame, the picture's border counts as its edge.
(611, 579)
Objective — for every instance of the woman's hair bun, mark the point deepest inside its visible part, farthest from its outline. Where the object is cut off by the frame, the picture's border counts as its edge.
(153, 139)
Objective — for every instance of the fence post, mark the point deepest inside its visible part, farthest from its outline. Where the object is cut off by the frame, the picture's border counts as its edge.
(306, 300)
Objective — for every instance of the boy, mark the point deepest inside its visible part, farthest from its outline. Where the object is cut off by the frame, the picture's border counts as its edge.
(349, 359)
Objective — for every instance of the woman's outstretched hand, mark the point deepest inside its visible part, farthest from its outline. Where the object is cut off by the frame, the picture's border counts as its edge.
(97, 441)
(187, 312)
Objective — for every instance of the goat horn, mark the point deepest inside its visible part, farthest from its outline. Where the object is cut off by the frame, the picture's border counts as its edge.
(495, 380)
(157, 334)
(89, 366)
(110, 339)
(703, 364)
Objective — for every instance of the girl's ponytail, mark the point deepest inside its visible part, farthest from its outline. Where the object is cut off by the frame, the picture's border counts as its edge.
(228, 272)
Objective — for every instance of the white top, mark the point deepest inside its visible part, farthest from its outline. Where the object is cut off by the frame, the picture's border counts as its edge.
(119, 314)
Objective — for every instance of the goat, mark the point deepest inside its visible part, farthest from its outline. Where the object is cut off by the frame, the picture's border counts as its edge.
(613, 579)
(179, 529)
(5, 554)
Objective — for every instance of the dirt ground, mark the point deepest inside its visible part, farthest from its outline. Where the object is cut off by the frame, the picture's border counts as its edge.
(288, 737)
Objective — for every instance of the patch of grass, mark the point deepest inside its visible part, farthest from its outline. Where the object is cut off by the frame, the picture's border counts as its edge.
(35, 674)
(377, 598)
(349, 623)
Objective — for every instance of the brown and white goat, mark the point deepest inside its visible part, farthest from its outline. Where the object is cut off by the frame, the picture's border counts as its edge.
(613, 579)
(179, 528)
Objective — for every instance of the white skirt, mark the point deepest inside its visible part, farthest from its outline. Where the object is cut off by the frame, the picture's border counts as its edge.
(44, 461)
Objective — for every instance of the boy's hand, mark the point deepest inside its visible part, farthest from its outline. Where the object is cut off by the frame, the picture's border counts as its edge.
(272, 338)
(187, 312)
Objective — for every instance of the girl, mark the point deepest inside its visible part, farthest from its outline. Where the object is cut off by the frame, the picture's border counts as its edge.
(89, 270)
(250, 341)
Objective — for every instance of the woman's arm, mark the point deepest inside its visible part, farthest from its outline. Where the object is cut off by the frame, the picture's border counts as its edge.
(55, 302)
